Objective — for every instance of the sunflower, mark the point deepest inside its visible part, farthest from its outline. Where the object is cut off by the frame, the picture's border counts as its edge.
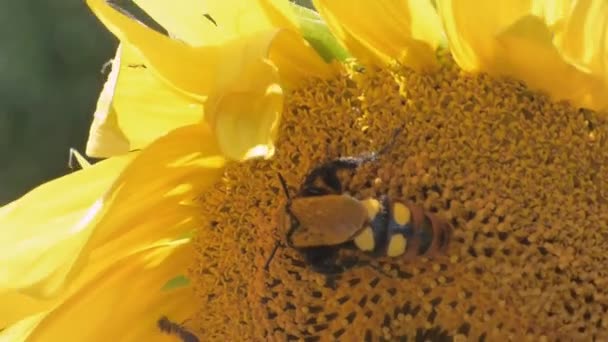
(504, 134)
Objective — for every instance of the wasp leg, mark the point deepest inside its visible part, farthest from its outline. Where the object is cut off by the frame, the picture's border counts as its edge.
(334, 265)
(323, 260)
(328, 269)
(355, 262)
(272, 253)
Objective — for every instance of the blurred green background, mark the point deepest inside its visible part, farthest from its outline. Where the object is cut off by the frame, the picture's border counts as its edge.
(51, 56)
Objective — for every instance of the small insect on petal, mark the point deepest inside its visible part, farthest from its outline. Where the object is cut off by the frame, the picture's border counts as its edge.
(167, 326)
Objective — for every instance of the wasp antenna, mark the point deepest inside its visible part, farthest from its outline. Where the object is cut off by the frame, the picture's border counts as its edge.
(271, 256)
(391, 143)
(373, 156)
(284, 185)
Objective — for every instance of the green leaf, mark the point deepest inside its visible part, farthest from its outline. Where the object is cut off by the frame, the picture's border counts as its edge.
(176, 282)
(315, 31)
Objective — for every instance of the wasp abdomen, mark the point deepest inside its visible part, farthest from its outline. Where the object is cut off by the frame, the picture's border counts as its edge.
(373, 238)
(425, 234)
(401, 235)
(399, 228)
(431, 234)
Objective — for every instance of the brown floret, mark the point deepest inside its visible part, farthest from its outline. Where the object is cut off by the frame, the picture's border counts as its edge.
(523, 179)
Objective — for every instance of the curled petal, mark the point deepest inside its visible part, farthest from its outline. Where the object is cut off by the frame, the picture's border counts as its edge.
(246, 122)
(583, 41)
(241, 25)
(583, 35)
(238, 68)
(380, 32)
(183, 67)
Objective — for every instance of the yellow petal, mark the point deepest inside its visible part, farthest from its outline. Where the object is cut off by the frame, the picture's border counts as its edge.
(147, 200)
(471, 27)
(106, 139)
(227, 20)
(240, 23)
(552, 12)
(583, 36)
(194, 71)
(246, 123)
(539, 42)
(123, 303)
(135, 108)
(583, 41)
(184, 20)
(21, 330)
(43, 231)
(237, 69)
(538, 62)
(17, 306)
(297, 61)
(151, 201)
(380, 32)
(67, 239)
(238, 17)
(293, 56)
(185, 68)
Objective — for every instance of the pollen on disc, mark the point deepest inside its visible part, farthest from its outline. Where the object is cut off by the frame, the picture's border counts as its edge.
(365, 240)
(401, 214)
(537, 168)
(373, 207)
(397, 245)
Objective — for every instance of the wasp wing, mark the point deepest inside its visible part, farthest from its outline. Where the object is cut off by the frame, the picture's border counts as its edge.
(327, 220)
